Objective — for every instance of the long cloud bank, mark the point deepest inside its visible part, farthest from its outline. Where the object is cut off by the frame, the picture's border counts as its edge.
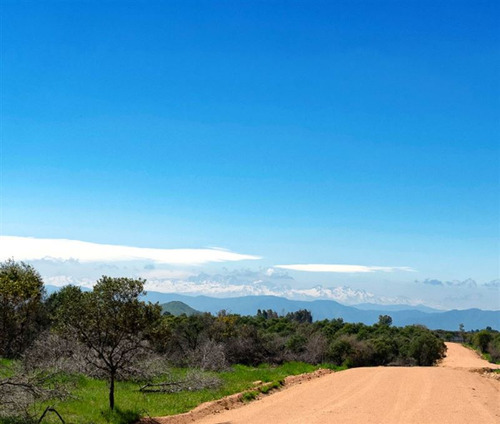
(342, 268)
(28, 248)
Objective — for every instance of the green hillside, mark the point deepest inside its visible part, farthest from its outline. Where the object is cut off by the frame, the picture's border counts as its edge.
(178, 308)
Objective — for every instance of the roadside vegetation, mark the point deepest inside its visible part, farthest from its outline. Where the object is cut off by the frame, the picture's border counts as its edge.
(486, 341)
(106, 356)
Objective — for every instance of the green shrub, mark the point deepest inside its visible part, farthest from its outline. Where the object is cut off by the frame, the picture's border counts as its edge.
(249, 396)
(481, 340)
(426, 349)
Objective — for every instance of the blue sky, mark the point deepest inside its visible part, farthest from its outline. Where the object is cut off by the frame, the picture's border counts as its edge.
(357, 132)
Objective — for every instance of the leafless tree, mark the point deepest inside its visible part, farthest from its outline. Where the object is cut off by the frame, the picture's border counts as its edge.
(18, 393)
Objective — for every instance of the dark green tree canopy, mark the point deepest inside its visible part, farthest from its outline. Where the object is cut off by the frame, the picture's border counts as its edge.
(385, 320)
(22, 313)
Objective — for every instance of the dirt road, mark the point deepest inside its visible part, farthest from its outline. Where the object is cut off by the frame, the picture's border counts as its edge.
(449, 393)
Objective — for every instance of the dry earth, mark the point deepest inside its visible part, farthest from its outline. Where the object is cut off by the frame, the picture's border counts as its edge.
(448, 393)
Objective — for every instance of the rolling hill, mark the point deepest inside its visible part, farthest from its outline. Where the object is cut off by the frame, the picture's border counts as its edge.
(177, 307)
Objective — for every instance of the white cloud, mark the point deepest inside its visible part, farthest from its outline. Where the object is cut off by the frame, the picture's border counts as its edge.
(28, 248)
(159, 274)
(64, 280)
(342, 268)
(209, 287)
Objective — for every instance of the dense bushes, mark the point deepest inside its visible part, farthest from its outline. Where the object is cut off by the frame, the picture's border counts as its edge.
(22, 313)
(253, 340)
(487, 342)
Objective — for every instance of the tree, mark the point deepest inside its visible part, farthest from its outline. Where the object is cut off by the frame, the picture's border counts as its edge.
(112, 323)
(301, 316)
(384, 320)
(21, 307)
(461, 329)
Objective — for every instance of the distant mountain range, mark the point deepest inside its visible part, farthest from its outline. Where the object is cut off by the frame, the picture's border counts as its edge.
(377, 307)
(367, 313)
(327, 309)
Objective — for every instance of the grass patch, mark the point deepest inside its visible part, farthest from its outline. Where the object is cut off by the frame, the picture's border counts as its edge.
(120, 416)
(7, 367)
(334, 367)
(90, 396)
(270, 386)
(249, 396)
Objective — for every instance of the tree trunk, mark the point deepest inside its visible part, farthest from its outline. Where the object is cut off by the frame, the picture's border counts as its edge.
(112, 390)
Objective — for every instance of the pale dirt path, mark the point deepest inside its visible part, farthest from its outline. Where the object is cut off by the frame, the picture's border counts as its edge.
(458, 356)
(449, 393)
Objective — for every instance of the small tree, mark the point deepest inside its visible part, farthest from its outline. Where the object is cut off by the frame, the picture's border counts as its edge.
(385, 320)
(461, 329)
(112, 323)
(21, 307)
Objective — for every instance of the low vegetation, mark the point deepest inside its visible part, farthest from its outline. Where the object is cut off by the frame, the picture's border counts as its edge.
(486, 342)
(107, 356)
(88, 402)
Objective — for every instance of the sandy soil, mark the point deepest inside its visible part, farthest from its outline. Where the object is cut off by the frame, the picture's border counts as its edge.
(448, 393)
(459, 357)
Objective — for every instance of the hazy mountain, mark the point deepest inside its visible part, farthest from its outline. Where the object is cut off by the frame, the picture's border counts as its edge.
(402, 307)
(176, 307)
(328, 309)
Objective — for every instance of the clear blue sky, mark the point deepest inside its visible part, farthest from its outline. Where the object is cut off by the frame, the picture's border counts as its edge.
(353, 132)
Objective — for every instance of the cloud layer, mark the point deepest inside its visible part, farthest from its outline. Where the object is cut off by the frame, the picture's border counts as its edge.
(342, 268)
(469, 283)
(27, 248)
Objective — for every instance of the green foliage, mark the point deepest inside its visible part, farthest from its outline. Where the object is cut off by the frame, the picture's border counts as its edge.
(385, 320)
(64, 297)
(426, 348)
(21, 309)
(302, 316)
(7, 367)
(265, 389)
(487, 342)
(296, 343)
(482, 339)
(269, 314)
(119, 416)
(249, 396)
